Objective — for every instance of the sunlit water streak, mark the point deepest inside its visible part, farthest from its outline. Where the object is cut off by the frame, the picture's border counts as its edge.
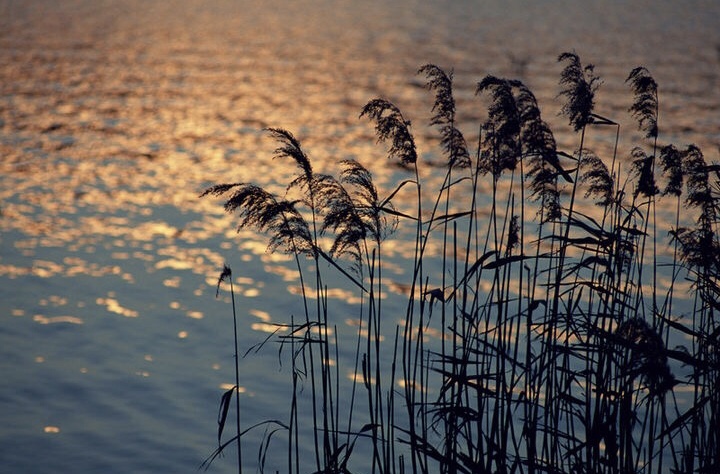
(114, 115)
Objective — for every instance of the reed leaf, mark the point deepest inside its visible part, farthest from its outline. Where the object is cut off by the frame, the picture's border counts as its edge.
(223, 412)
(688, 417)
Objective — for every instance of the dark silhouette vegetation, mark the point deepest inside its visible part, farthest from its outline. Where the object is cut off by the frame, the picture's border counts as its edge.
(556, 348)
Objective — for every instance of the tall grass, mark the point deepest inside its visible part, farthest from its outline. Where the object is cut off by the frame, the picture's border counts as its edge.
(557, 348)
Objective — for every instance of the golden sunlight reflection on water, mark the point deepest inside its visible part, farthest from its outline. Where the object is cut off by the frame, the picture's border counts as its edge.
(114, 116)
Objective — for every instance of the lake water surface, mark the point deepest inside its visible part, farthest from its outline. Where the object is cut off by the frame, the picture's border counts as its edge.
(114, 115)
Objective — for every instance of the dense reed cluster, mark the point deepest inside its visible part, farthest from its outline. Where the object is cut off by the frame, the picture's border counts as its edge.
(555, 347)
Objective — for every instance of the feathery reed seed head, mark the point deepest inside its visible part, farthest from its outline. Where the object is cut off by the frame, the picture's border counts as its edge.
(391, 125)
(647, 357)
(672, 169)
(596, 176)
(501, 143)
(643, 171)
(579, 85)
(645, 107)
(452, 140)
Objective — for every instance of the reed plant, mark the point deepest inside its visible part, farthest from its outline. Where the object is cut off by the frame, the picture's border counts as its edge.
(557, 348)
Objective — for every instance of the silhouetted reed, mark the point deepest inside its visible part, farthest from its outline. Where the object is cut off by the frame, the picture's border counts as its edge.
(579, 85)
(645, 107)
(553, 354)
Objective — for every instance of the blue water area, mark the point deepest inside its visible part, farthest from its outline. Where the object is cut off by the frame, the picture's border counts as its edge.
(114, 116)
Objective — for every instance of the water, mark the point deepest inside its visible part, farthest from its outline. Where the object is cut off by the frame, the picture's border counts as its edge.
(114, 350)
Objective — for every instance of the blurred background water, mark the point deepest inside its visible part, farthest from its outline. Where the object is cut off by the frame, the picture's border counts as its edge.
(114, 115)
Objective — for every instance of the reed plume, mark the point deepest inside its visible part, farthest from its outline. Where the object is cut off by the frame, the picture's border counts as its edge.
(501, 144)
(672, 169)
(341, 217)
(697, 181)
(579, 86)
(645, 107)
(595, 175)
(513, 236)
(647, 357)
(452, 140)
(643, 172)
(540, 150)
(700, 245)
(290, 148)
(372, 212)
(391, 125)
(260, 209)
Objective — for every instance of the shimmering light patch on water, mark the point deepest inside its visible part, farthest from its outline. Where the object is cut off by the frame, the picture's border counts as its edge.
(46, 269)
(114, 306)
(173, 282)
(414, 385)
(229, 386)
(38, 318)
(363, 332)
(359, 378)
(684, 394)
(261, 315)
(267, 328)
(244, 280)
(174, 264)
(348, 296)
(286, 273)
(51, 429)
(53, 300)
